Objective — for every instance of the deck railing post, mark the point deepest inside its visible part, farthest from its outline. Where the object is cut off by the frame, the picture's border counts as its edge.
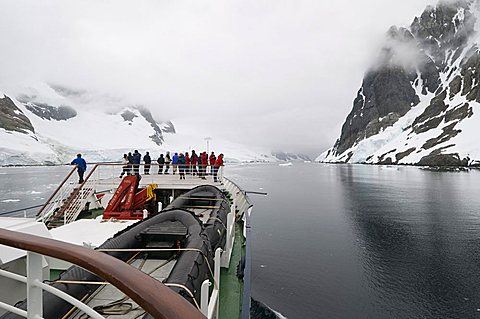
(34, 293)
(204, 297)
(216, 275)
(220, 173)
(228, 245)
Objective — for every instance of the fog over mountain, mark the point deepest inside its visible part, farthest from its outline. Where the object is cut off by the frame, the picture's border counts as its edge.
(419, 101)
(277, 74)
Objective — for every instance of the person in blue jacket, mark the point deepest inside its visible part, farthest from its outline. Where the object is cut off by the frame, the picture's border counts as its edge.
(137, 157)
(175, 162)
(81, 167)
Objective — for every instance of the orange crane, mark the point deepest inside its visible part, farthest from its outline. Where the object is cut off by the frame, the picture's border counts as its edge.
(127, 203)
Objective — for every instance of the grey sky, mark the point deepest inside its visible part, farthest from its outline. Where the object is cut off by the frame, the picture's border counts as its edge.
(278, 74)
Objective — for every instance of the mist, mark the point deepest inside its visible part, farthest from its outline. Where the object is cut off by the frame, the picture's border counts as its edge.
(275, 74)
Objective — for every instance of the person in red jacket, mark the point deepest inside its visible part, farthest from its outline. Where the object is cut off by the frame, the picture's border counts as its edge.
(204, 164)
(212, 160)
(187, 163)
(216, 167)
(194, 162)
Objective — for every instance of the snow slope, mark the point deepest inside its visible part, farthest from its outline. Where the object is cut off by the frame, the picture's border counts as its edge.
(103, 129)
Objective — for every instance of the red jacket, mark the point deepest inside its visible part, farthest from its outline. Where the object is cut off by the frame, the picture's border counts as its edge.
(212, 159)
(187, 159)
(219, 162)
(194, 159)
(204, 159)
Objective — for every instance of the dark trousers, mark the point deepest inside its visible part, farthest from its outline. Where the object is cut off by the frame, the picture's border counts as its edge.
(136, 169)
(146, 169)
(80, 175)
(160, 169)
(126, 170)
(181, 171)
(167, 168)
(215, 173)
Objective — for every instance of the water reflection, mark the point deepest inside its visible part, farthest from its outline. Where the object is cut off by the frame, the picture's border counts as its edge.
(414, 242)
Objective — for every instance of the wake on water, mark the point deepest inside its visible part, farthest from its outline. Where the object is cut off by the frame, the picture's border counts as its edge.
(259, 310)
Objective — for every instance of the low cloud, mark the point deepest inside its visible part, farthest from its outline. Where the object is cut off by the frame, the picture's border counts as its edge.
(279, 74)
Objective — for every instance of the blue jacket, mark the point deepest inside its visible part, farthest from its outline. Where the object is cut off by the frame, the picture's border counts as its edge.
(81, 164)
(136, 158)
(175, 159)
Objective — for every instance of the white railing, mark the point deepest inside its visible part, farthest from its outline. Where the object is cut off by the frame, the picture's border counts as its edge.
(59, 196)
(105, 177)
(230, 238)
(209, 304)
(34, 283)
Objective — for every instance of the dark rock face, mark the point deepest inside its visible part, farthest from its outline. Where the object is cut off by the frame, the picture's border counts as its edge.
(401, 155)
(128, 116)
(157, 137)
(440, 28)
(48, 112)
(411, 67)
(387, 91)
(448, 133)
(443, 160)
(282, 156)
(12, 118)
(168, 127)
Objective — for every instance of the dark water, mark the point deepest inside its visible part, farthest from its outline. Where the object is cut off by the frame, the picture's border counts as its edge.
(346, 241)
(365, 241)
(23, 187)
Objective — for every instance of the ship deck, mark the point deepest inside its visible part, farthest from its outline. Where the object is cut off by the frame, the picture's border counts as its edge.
(164, 181)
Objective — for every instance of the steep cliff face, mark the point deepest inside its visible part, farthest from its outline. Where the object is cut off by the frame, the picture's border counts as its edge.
(12, 118)
(417, 104)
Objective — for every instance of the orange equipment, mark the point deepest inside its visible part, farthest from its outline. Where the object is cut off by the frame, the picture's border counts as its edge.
(127, 203)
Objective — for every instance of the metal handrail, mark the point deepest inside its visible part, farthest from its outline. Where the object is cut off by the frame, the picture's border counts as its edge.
(154, 297)
(61, 187)
(244, 206)
(56, 191)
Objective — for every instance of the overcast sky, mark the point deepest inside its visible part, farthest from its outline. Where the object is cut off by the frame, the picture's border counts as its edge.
(277, 74)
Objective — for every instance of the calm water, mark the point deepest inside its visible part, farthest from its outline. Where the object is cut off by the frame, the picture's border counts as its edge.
(365, 241)
(345, 241)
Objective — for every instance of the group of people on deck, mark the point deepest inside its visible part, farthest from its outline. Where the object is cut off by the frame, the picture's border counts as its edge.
(183, 163)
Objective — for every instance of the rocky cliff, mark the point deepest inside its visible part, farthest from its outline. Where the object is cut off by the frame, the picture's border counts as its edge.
(418, 104)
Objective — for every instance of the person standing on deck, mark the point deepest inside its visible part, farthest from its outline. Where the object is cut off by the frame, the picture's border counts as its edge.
(136, 162)
(161, 162)
(167, 162)
(212, 160)
(193, 163)
(81, 167)
(181, 166)
(204, 161)
(125, 166)
(130, 163)
(187, 163)
(216, 167)
(148, 161)
(174, 163)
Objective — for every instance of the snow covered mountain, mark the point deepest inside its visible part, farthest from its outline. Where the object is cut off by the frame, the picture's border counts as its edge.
(291, 157)
(49, 124)
(420, 103)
